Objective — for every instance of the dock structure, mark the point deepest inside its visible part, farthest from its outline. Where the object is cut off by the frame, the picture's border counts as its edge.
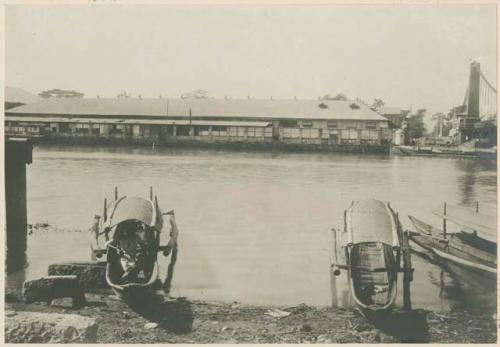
(334, 125)
(18, 154)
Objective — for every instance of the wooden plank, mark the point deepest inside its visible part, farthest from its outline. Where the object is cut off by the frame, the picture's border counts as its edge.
(485, 225)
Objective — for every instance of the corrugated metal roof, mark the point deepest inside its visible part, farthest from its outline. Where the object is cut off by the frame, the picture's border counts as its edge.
(134, 121)
(232, 108)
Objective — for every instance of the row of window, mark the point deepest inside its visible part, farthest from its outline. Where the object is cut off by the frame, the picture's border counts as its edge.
(185, 130)
(332, 124)
(22, 130)
(227, 131)
(365, 134)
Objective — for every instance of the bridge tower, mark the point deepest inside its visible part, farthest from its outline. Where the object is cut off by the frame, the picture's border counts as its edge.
(474, 85)
(476, 119)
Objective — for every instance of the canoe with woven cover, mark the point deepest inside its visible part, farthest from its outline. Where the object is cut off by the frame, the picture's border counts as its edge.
(373, 253)
(127, 237)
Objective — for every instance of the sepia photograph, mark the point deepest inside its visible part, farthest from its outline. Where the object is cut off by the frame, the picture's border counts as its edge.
(242, 173)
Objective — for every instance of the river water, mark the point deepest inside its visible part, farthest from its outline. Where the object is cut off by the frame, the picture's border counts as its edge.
(254, 226)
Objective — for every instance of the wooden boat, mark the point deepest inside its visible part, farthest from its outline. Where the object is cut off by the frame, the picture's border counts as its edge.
(371, 244)
(462, 250)
(414, 150)
(462, 151)
(426, 235)
(127, 237)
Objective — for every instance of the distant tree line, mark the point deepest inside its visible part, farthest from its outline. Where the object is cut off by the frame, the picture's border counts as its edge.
(415, 124)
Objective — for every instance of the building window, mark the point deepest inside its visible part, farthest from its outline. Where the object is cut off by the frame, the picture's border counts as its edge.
(169, 130)
(332, 124)
(219, 131)
(349, 134)
(371, 125)
(236, 131)
(64, 128)
(116, 129)
(291, 133)
(310, 133)
(307, 124)
(182, 130)
(350, 124)
(201, 131)
(288, 123)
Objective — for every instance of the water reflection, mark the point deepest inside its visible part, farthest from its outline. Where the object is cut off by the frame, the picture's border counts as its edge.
(474, 172)
(463, 289)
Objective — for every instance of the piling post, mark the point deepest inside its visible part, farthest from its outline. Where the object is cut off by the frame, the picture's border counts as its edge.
(116, 193)
(105, 210)
(444, 220)
(334, 260)
(477, 206)
(407, 275)
(18, 153)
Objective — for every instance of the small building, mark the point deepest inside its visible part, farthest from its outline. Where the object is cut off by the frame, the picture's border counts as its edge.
(324, 123)
(395, 115)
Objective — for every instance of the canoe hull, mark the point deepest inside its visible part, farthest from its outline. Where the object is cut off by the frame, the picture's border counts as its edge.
(486, 272)
(129, 291)
(127, 237)
(372, 281)
(372, 253)
(473, 266)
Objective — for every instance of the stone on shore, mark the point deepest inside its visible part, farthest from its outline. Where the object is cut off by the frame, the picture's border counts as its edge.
(46, 289)
(35, 327)
(90, 274)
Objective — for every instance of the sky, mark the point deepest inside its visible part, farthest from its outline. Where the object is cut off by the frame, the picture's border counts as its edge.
(411, 56)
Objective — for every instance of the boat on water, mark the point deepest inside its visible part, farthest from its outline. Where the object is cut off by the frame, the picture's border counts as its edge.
(371, 248)
(468, 254)
(462, 151)
(127, 238)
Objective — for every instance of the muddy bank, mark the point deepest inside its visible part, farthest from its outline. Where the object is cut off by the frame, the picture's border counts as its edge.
(157, 320)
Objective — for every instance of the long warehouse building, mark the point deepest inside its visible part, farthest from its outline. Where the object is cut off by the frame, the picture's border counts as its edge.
(318, 124)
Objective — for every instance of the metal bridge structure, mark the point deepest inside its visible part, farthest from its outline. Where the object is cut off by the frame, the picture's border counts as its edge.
(476, 118)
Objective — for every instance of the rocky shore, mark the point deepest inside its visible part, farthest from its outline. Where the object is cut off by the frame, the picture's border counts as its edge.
(161, 320)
